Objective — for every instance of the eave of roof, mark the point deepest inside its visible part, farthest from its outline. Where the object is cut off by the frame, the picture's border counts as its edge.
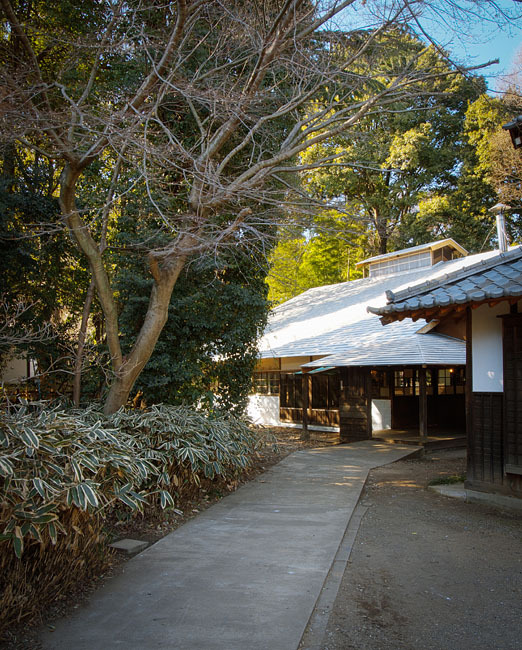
(418, 350)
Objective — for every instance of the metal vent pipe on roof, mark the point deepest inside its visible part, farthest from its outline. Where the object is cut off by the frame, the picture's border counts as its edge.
(501, 233)
(498, 210)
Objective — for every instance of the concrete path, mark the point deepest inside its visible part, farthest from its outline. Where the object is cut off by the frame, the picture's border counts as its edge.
(245, 574)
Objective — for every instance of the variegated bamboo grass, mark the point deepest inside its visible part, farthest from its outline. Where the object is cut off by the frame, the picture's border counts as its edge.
(62, 471)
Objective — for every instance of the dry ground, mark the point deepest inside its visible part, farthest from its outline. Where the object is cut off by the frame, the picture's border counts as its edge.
(429, 572)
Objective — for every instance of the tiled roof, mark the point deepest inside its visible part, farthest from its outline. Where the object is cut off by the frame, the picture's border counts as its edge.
(333, 321)
(495, 278)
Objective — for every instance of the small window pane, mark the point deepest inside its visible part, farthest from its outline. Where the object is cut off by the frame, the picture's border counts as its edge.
(266, 383)
(333, 391)
(319, 392)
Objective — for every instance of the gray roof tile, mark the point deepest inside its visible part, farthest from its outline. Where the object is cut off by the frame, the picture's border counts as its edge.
(499, 276)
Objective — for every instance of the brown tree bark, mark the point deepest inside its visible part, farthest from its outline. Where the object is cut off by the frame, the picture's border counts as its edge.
(157, 313)
(82, 334)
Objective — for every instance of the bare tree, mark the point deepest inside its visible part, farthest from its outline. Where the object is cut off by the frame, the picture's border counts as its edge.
(13, 333)
(258, 83)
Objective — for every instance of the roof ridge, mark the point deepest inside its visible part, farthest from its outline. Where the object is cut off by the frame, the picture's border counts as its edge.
(404, 252)
(430, 285)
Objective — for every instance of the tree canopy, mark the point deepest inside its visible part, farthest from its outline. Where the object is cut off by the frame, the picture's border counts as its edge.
(199, 114)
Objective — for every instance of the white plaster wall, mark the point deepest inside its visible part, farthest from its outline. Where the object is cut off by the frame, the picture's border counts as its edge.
(486, 343)
(264, 409)
(293, 363)
(15, 371)
(381, 414)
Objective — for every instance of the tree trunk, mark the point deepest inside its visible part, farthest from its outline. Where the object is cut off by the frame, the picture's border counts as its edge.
(93, 254)
(77, 382)
(155, 319)
(381, 227)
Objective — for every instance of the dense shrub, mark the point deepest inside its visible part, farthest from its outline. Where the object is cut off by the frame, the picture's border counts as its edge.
(63, 471)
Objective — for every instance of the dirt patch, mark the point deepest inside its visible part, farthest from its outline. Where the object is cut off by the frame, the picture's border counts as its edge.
(428, 571)
(155, 525)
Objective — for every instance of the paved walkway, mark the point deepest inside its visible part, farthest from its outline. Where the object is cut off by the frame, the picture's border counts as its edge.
(245, 574)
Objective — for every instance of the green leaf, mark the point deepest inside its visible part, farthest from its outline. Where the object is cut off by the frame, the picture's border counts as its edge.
(78, 475)
(56, 468)
(45, 519)
(89, 493)
(166, 499)
(53, 533)
(6, 467)
(18, 542)
(29, 437)
(77, 498)
(4, 438)
(35, 533)
(43, 510)
(39, 486)
(128, 501)
(137, 496)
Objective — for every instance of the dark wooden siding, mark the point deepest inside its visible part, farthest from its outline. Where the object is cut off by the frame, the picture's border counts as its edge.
(447, 412)
(354, 405)
(287, 414)
(323, 417)
(512, 337)
(485, 444)
(405, 412)
(444, 412)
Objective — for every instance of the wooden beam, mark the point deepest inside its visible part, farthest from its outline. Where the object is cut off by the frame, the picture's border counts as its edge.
(368, 391)
(469, 394)
(305, 435)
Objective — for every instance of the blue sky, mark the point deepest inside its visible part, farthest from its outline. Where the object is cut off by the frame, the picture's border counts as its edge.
(484, 42)
(477, 40)
(472, 35)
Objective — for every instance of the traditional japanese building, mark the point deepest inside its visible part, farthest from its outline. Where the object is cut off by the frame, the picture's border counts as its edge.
(326, 363)
(487, 296)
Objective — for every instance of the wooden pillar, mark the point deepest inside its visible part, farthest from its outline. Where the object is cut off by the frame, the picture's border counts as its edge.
(469, 397)
(435, 393)
(391, 384)
(423, 404)
(368, 391)
(353, 405)
(306, 384)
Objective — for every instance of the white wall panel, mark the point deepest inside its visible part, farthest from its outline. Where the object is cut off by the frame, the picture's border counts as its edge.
(381, 414)
(264, 409)
(486, 340)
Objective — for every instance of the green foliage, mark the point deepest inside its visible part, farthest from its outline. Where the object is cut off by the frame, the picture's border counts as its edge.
(57, 460)
(400, 177)
(493, 161)
(483, 118)
(38, 266)
(400, 154)
(63, 472)
(326, 254)
(489, 172)
(208, 348)
(284, 279)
